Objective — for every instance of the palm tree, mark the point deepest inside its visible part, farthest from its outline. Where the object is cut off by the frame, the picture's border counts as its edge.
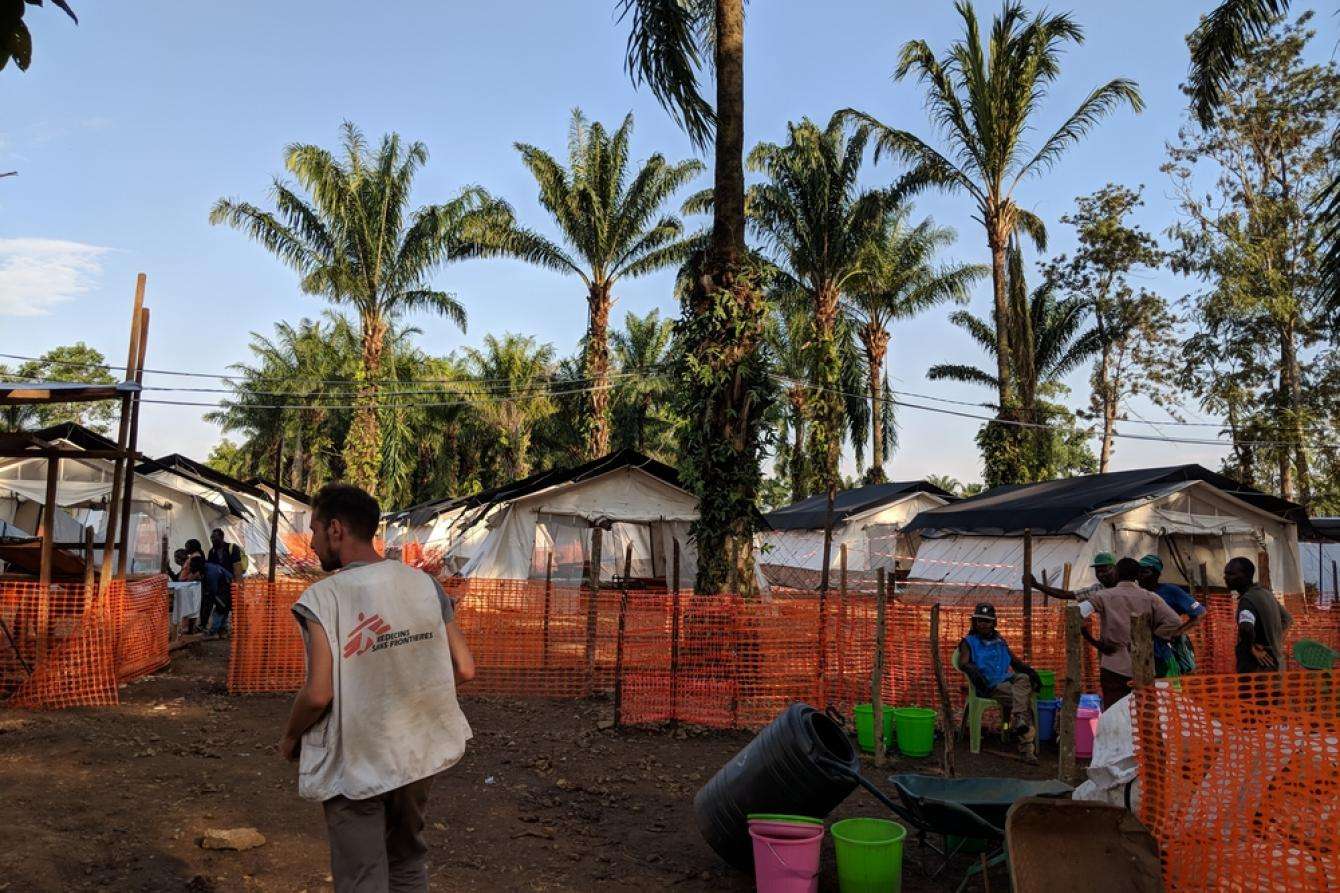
(944, 482)
(512, 394)
(643, 419)
(898, 280)
(814, 221)
(984, 98)
(354, 240)
(616, 229)
(723, 377)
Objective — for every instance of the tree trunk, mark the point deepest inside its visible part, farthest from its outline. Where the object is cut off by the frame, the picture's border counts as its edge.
(996, 242)
(363, 445)
(1108, 405)
(296, 459)
(799, 477)
(725, 314)
(595, 369)
(876, 340)
(1291, 386)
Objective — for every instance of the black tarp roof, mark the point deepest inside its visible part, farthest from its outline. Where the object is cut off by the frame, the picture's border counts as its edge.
(1062, 506)
(1323, 530)
(625, 458)
(812, 513)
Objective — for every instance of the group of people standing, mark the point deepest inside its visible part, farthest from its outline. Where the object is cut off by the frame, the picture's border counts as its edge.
(1125, 587)
(215, 570)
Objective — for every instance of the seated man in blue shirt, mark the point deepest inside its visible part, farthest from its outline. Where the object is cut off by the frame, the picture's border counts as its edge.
(997, 674)
(1175, 647)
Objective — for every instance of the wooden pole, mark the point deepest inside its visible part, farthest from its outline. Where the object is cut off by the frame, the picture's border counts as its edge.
(1263, 568)
(1065, 577)
(618, 651)
(841, 619)
(48, 535)
(1335, 580)
(1046, 600)
(1028, 595)
(123, 435)
(1065, 735)
(548, 606)
(593, 606)
(1142, 650)
(946, 708)
(877, 671)
(274, 507)
(627, 564)
(163, 566)
(127, 541)
(674, 636)
(88, 562)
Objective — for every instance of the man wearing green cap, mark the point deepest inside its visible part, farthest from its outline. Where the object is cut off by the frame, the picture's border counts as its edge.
(1175, 647)
(1104, 568)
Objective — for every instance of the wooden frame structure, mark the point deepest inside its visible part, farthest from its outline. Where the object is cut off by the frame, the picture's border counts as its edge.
(28, 446)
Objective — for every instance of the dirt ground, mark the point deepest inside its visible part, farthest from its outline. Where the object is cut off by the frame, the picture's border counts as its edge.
(543, 800)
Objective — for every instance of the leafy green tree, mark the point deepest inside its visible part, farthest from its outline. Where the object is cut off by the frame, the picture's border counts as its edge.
(984, 95)
(945, 482)
(71, 362)
(898, 280)
(1045, 348)
(1252, 242)
(227, 457)
(724, 391)
(1139, 353)
(643, 414)
(613, 220)
(354, 240)
(511, 395)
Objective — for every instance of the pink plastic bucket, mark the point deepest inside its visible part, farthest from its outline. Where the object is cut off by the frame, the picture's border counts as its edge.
(1086, 726)
(786, 856)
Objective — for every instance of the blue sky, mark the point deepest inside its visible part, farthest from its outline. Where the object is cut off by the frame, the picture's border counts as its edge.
(129, 126)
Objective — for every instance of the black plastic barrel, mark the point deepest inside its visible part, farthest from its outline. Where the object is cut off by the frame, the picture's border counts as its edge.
(779, 771)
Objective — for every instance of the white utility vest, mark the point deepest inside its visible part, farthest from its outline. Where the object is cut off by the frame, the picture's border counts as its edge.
(394, 718)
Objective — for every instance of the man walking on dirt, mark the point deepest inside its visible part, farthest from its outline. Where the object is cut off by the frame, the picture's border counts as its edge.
(377, 717)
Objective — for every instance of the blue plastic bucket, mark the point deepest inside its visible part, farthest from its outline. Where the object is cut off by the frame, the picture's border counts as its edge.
(1047, 713)
(1094, 701)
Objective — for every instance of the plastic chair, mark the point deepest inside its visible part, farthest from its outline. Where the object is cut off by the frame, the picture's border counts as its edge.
(977, 707)
(1313, 655)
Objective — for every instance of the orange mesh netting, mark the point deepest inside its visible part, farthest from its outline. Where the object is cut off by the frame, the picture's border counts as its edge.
(1239, 780)
(267, 651)
(63, 648)
(140, 617)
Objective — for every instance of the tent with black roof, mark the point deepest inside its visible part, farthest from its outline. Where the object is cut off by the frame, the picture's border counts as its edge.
(1186, 514)
(868, 520)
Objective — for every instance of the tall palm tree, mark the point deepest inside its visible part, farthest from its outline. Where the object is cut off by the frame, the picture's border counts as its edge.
(814, 221)
(1047, 343)
(354, 240)
(643, 419)
(984, 97)
(724, 381)
(512, 394)
(616, 228)
(898, 280)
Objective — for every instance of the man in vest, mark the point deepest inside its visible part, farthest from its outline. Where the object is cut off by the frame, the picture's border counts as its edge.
(985, 658)
(377, 717)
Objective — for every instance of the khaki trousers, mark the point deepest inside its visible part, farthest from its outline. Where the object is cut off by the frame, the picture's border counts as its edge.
(1014, 696)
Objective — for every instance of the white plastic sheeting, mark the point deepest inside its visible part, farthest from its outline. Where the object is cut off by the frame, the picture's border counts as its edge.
(871, 538)
(1206, 526)
(1317, 560)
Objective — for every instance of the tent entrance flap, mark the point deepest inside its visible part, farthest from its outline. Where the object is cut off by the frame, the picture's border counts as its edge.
(568, 539)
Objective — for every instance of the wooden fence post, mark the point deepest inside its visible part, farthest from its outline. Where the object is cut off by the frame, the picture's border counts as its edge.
(674, 635)
(88, 562)
(1028, 594)
(1263, 568)
(946, 708)
(841, 622)
(274, 507)
(46, 547)
(163, 565)
(1065, 577)
(877, 671)
(1065, 735)
(1335, 580)
(1142, 650)
(548, 606)
(618, 653)
(592, 607)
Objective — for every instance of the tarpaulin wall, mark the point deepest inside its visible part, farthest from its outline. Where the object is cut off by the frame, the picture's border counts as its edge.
(72, 649)
(1239, 780)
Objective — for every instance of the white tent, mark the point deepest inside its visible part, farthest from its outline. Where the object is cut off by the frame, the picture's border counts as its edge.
(868, 520)
(1187, 515)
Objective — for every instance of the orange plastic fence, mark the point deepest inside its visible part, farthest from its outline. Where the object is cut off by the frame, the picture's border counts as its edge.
(1239, 780)
(267, 651)
(62, 653)
(140, 620)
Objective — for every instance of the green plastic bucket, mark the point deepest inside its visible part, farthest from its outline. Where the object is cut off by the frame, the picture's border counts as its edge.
(869, 855)
(916, 730)
(864, 716)
(1048, 691)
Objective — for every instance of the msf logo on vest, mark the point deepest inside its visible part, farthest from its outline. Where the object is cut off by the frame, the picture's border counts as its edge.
(364, 636)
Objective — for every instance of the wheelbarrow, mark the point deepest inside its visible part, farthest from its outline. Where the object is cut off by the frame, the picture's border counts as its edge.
(1079, 845)
(961, 808)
